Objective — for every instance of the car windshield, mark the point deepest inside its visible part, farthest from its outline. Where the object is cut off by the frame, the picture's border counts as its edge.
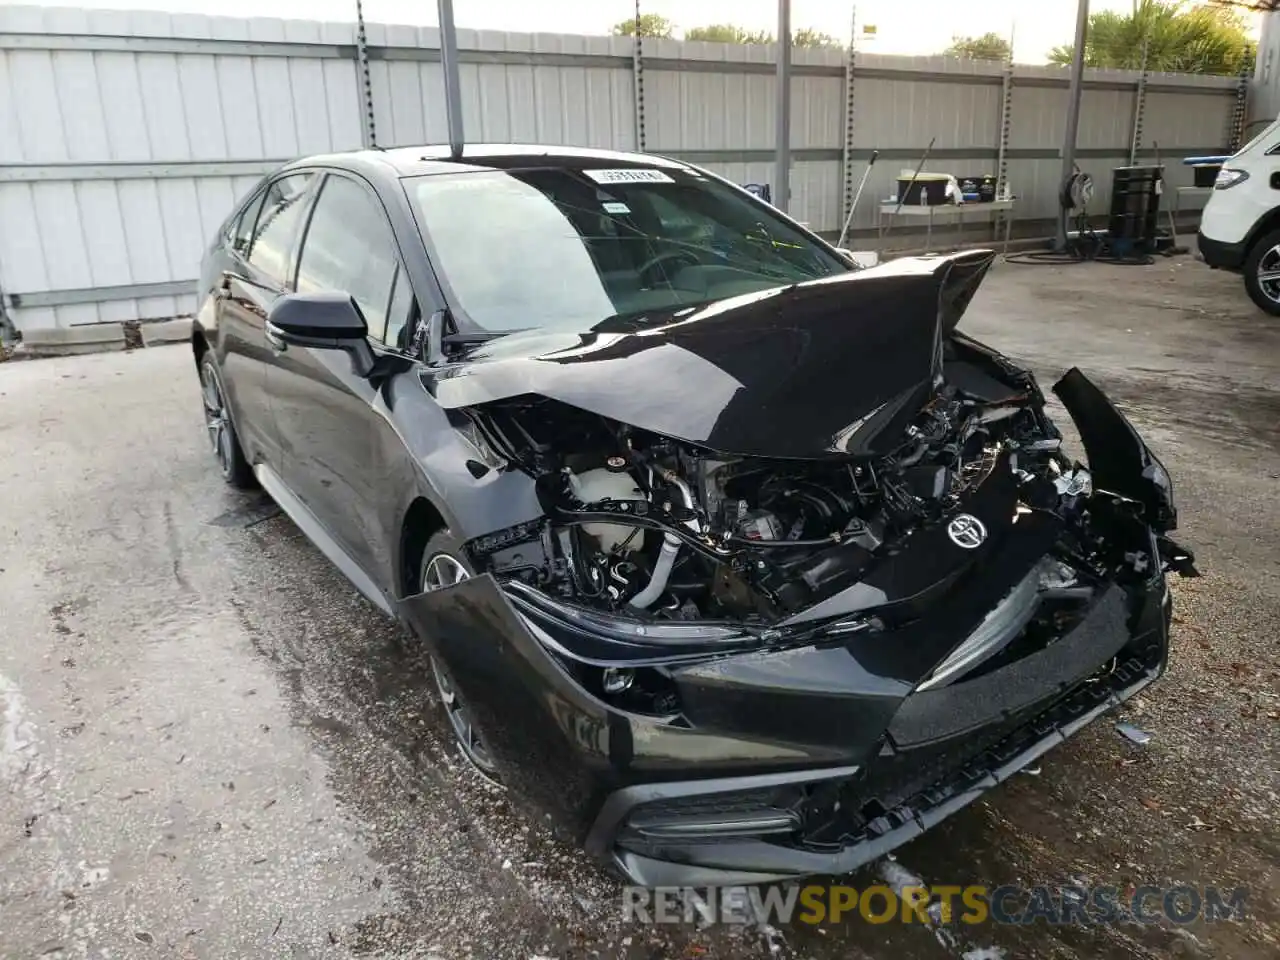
(1266, 133)
(566, 248)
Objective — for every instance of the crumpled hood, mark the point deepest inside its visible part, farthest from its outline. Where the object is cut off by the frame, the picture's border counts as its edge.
(831, 367)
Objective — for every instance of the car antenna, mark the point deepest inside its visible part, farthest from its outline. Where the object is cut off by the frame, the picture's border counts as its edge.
(449, 64)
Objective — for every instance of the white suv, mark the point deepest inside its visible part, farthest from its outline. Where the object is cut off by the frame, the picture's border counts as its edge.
(1240, 229)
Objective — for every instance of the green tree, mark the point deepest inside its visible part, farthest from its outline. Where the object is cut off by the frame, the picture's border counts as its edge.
(728, 33)
(731, 33)
(808, 37)
(1179, 38)
(989, 46)
(651, 25)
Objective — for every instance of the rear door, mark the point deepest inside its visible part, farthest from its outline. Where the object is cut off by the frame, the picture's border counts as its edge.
(261, 261)
(333, 432)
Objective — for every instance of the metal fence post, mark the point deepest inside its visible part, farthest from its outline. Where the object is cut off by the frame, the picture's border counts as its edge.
(1006, 122)
(1002, 149)
(368, 132)
(452, 83)
(637, 74)
(1139, 106)
(1235, 131)
(1074, 96)
(847, 159)
(8, 332)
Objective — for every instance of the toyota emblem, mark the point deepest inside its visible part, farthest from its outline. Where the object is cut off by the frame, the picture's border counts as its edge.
(967, 531)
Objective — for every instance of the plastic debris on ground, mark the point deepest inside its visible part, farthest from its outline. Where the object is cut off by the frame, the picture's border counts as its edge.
(1135, 734)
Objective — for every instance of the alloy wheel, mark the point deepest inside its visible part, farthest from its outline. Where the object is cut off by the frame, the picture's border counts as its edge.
(215, 418)
(443, 571)
(1269, 274)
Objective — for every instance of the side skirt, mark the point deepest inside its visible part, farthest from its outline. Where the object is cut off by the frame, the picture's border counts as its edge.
(318, 535)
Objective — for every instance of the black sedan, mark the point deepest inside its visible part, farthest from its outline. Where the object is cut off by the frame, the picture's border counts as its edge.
(733, 562)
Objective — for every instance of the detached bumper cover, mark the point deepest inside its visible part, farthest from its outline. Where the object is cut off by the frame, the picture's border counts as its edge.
(1118, 459)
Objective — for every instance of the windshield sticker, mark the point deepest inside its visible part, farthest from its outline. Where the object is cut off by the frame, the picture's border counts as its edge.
(628, 176)
(611, 207)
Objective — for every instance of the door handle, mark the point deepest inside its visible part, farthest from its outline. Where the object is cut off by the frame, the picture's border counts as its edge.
(272, 333)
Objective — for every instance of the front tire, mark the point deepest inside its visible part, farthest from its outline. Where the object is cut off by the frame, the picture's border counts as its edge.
(225, 441)
(1262, 273)
(444, 564)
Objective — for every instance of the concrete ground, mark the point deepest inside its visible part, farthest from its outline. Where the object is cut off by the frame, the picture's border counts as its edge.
(209, 746)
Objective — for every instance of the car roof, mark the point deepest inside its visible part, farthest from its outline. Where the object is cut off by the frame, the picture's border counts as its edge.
(432, 159)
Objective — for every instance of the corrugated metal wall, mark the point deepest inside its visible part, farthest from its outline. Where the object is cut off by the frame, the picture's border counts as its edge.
(1264, 89)
(125, 137)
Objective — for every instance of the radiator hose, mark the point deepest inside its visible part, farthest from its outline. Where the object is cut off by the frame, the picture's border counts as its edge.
(661, 572)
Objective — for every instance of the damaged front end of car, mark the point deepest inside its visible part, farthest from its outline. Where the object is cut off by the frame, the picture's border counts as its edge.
(772, 626)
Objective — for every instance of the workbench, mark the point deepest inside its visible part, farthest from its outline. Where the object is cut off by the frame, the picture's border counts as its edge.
(889, 211)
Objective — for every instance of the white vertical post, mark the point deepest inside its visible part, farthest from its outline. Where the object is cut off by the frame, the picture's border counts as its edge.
(1073, 112)
(782, 152)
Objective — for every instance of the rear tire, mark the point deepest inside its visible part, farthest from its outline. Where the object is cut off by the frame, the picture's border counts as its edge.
(444, 563)
(221, 431)
(1262, 273)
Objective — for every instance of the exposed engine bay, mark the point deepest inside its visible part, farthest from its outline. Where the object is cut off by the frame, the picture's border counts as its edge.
(817, 521)
(643, 525)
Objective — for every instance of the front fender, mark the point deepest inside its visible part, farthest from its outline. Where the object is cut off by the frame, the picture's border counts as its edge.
(473, 497)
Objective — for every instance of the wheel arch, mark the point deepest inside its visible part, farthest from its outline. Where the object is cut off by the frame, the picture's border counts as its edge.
(199, 343)
(422, 520)
(1268, 222)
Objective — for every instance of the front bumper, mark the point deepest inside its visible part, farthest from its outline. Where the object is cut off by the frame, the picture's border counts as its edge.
(781, 763)
(896, 798)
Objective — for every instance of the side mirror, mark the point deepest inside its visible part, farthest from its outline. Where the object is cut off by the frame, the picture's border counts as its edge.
(861, 259)
(321, 321)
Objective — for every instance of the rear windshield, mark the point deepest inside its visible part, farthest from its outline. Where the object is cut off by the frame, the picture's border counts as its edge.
(564, 249)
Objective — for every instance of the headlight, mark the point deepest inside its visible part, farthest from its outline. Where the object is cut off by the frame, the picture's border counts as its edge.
(1229, 178)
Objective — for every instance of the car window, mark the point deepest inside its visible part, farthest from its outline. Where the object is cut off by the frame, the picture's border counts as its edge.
(567, 247)
(242, 229)
(276, 226)
(349, 248)
(400, 314)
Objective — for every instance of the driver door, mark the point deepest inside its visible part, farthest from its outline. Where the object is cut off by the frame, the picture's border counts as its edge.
(332, 425)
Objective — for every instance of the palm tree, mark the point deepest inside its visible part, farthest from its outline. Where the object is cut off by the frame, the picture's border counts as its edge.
(1179, 38)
